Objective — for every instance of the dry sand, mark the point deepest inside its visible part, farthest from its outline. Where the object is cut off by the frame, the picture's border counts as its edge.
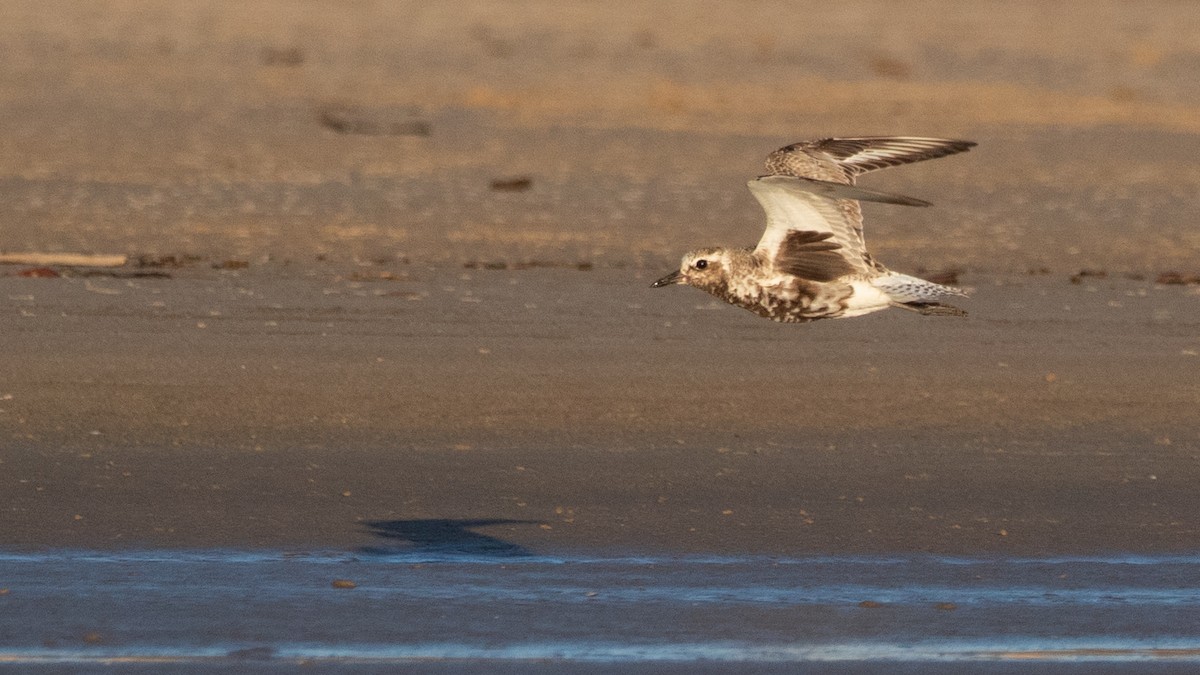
(390, 338)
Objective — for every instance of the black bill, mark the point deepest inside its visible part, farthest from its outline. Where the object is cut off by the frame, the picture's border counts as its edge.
(675, 277)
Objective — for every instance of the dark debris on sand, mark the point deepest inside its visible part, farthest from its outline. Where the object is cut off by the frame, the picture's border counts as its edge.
(352, 120)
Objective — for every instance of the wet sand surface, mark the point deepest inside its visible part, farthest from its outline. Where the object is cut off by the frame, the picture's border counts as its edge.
(511, 610)
(388, 306)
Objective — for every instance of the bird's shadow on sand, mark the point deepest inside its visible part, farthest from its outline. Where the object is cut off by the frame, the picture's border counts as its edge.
(443, 537)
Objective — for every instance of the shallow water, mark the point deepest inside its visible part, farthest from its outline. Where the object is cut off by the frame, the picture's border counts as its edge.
(275, 608)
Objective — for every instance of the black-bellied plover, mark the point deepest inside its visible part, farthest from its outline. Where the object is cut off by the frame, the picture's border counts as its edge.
(812, 262)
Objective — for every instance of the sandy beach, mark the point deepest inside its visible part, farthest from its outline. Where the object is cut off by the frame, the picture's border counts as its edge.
(250, 408)
(389, 265)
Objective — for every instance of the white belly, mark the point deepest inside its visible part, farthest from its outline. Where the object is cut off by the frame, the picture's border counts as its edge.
(866, 299)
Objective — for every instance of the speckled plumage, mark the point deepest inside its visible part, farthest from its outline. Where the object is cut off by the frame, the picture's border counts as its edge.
(812, 261)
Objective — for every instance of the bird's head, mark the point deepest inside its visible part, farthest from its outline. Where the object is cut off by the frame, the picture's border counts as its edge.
(704, 268)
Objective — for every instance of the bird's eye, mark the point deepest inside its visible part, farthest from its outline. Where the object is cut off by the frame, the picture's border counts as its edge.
(701, 264)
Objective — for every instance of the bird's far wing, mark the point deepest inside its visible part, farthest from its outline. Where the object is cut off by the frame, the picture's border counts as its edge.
(860, 155)
(814, 228)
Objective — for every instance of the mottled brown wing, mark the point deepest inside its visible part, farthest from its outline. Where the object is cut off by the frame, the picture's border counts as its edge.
(859, 155)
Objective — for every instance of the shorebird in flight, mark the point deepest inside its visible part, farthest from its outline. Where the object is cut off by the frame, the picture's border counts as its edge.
(812, 262)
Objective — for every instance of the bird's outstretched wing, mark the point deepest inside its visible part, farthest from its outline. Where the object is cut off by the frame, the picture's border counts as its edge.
(845, 158)
(814, 227)
(810, 192)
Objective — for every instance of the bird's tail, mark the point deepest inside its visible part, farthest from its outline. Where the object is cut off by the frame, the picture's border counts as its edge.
(917, 294)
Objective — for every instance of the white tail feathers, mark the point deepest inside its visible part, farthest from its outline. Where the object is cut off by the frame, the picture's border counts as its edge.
(903, 288)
